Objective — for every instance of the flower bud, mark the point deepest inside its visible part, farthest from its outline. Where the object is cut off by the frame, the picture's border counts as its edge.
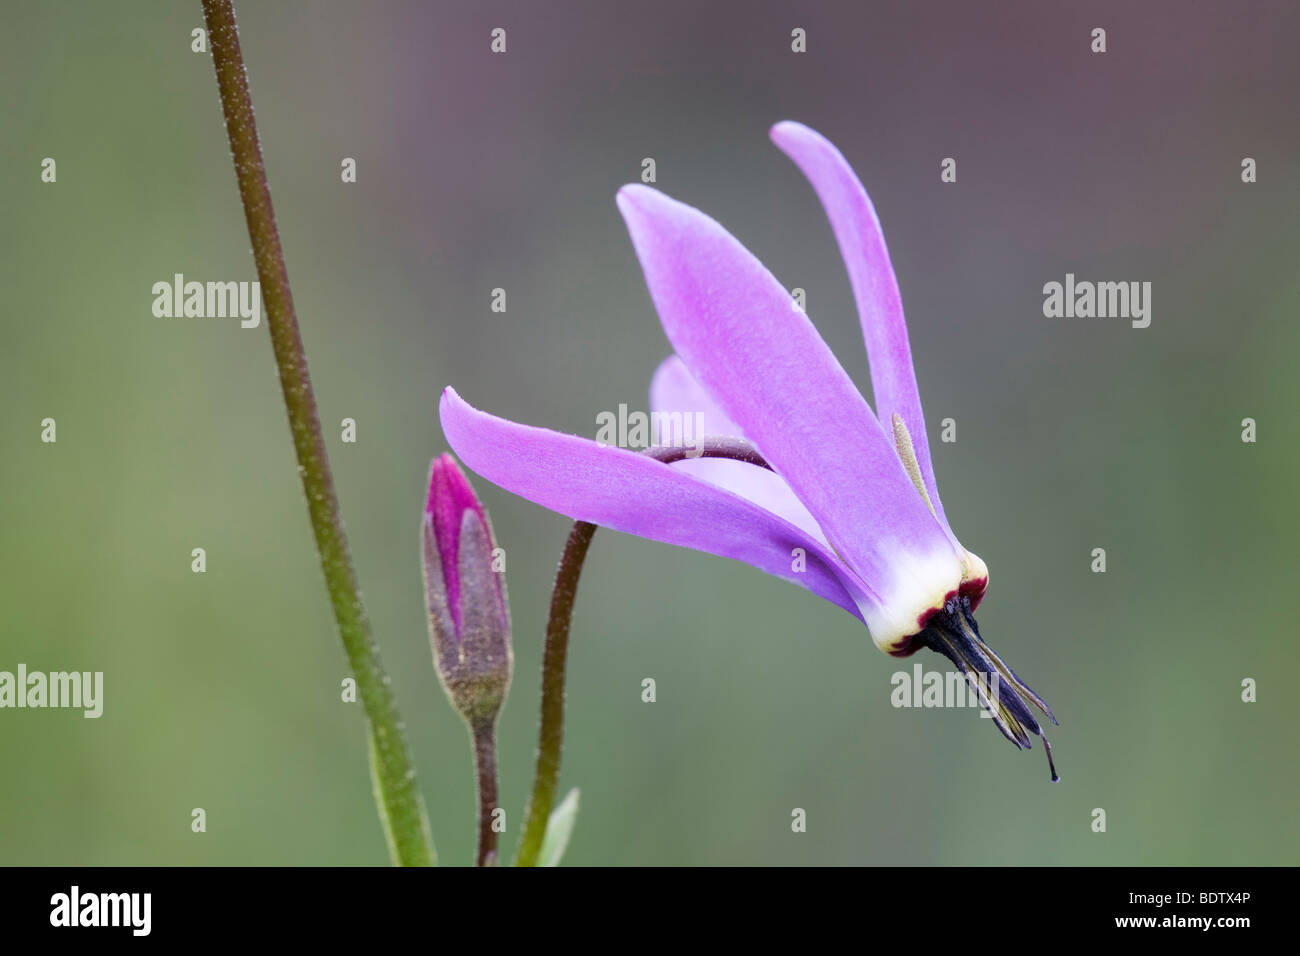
(465, 592)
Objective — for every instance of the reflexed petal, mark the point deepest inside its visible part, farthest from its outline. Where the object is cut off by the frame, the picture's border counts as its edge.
(629, 492)
(734, 326)
(875, 288)
(675, 390)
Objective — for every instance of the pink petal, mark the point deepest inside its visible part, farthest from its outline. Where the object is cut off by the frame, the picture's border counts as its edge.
(875, 288)
(629, 492)
(734, 326)
(674, 389)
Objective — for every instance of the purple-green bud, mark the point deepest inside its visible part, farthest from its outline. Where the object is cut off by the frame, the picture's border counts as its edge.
(465, 592)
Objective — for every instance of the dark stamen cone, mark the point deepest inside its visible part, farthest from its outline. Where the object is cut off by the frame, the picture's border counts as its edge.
(953, 633)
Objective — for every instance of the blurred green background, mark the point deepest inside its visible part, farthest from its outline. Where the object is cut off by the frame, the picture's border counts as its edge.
(477, 171)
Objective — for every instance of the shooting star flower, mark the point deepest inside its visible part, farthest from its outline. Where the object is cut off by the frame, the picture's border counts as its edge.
(850, 509)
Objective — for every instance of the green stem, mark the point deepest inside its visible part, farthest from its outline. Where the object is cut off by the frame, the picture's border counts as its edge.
(550, 734)
(400, 805)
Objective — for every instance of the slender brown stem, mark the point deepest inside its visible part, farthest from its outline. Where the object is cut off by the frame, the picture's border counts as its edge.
(485, 765)
(400, 805)
(550, 734)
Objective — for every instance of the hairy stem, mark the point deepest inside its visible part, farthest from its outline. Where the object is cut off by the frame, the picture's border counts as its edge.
(485, 765)
(400, 805)
(550, 734)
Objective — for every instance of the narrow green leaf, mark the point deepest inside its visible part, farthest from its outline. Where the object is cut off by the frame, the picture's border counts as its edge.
(558, 828)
